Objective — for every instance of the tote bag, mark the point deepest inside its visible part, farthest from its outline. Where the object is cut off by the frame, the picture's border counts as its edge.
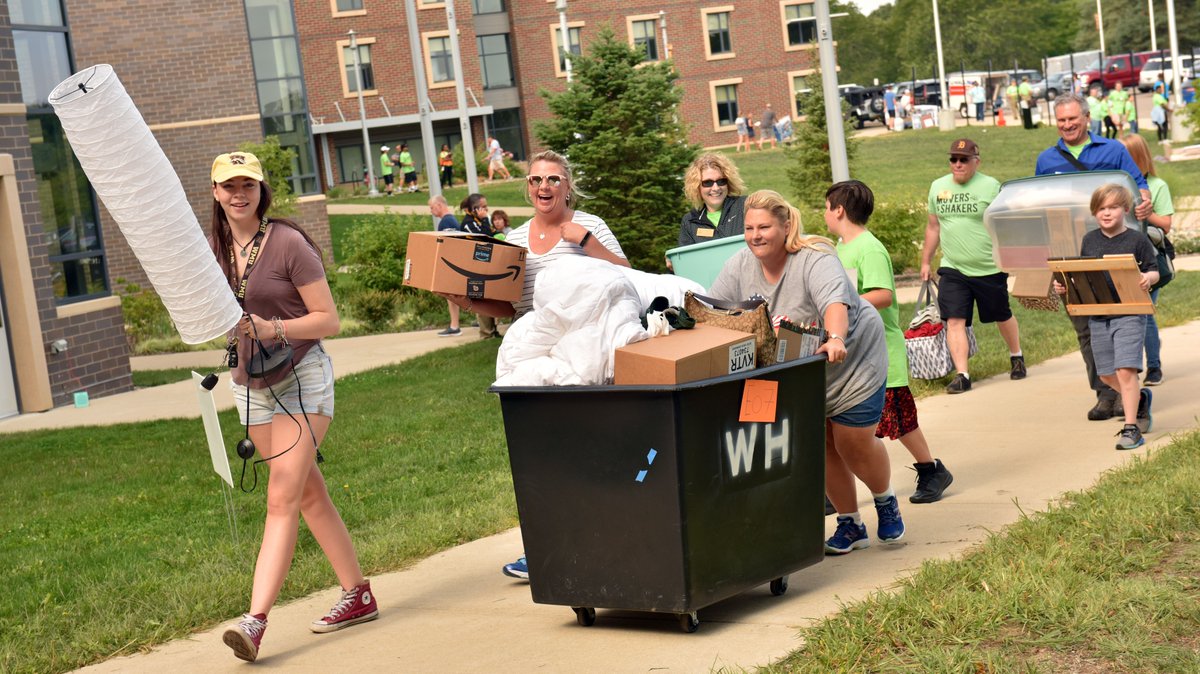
(925, 340)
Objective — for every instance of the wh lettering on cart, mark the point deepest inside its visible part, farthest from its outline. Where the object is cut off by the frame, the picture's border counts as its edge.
(742, 443)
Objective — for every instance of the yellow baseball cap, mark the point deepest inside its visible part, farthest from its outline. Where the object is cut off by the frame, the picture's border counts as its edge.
(234, 165)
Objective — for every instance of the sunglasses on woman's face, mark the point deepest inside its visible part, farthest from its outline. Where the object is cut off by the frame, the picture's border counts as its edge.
(551, 180)
(719, 181)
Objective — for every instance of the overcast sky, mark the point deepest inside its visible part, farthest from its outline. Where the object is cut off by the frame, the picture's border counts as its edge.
(868, 6)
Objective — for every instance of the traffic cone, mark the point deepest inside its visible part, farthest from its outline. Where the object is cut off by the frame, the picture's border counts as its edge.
(1000, 120)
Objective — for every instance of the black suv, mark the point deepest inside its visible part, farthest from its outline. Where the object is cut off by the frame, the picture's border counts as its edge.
(866, 104)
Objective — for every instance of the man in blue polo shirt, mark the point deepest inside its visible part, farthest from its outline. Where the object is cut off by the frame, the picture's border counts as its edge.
(889, 106)
(1078, 149)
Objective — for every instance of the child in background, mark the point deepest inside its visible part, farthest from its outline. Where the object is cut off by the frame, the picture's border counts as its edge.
(848, 206)
(501, 226)
(1164, 210)
(1117, 340)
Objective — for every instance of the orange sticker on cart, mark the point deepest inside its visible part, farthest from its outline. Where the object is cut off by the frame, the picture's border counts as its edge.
(759, 401)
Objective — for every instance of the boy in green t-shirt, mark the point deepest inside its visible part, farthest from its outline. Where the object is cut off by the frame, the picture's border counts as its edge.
(848, 206)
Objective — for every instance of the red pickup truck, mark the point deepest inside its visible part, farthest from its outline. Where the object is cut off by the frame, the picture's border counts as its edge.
(1119, 68)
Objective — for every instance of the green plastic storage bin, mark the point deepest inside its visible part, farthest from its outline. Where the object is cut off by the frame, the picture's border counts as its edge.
(701, 262)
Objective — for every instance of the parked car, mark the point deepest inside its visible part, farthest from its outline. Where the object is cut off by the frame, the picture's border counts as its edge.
(1052, 86)
(1118, 68)
(866, 104)
(1163, 66)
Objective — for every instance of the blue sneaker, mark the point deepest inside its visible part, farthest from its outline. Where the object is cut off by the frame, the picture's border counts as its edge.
(891, 526)
(1144, 420)
(848, 536)
(517, 569)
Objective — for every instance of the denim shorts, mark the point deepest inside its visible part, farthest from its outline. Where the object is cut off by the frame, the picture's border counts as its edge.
(314, 374)
(866, 413)
(1117, 342)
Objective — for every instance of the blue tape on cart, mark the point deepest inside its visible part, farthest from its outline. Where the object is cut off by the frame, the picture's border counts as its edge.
(641, 476)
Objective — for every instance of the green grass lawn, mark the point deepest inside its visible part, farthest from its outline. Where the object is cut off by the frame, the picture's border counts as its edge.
(897, 166)
(499, 193)
(116, 537)
(1107, 580)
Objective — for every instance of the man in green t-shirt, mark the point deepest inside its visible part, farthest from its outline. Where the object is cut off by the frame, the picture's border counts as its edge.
(1025, 93)
(848, 207)
(968, 277)
(385, 169)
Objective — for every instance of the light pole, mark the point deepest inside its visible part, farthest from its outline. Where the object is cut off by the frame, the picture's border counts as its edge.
(1100, 29)
(561, 7)
(945, 120)
(662, 21)
(362, 117)
(838, 162)
(418, 70)
(1153, 29)
(464, 122)
(1178, 130)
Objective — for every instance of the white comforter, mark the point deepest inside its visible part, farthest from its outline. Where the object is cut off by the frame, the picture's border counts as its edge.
(583, 310)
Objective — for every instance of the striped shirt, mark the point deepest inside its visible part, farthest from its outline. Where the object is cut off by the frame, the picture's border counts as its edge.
(534, 263)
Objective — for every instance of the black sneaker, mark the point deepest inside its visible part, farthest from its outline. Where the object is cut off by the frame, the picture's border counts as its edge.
(1018, 367)
(1130, 437)
(1153, 377)
(932, 480)
(1144, 420)
(1103, 409)
(960, 384)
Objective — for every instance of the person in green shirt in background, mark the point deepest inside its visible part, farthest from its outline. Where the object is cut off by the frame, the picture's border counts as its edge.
(1104, 112)
(1096, 126)
(1158, 114)
(385, 169)
(1025, 92)
(968, 276)
(407, 168)
(1131, 116)
(1012, 97)
(1117, 98)
(848, 206)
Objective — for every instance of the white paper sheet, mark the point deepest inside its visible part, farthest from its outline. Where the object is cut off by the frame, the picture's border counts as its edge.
(212, 430)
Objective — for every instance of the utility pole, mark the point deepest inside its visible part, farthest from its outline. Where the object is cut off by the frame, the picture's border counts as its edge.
(414, 44)
(662, 21)
(561, 7)
(464, 120)
(945, 119)
(362, 117)
(839, 164)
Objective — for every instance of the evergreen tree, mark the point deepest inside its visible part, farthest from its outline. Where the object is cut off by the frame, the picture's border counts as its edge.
(619, 125)
(809, 170)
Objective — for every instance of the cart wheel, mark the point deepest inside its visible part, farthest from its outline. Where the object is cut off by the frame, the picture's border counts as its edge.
(689, 622)
(585, 615)
(779, 585)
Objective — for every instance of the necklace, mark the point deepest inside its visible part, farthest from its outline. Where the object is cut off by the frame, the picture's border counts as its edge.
(241, 245)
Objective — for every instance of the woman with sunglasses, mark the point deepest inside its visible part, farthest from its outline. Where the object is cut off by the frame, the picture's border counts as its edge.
(556, 230)
(715, 189)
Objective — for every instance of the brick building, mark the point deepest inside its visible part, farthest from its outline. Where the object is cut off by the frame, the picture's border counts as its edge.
(224, 73)
(730, 56)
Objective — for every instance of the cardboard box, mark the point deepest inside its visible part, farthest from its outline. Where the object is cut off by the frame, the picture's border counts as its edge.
(685, 355)
(458, 263)
(795, 343)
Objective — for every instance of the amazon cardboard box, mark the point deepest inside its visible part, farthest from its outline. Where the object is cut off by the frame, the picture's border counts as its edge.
(458, 263)
(684, 355)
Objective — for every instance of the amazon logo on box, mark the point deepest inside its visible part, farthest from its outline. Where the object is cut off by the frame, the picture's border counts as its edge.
(472, 265)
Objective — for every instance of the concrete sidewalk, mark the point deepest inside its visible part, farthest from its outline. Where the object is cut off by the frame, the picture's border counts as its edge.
(1014, 447)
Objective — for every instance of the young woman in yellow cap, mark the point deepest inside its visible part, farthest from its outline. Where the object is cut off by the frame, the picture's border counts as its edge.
(277, 274)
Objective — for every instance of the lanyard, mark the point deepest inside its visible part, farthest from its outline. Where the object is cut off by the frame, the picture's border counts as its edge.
(241, 288)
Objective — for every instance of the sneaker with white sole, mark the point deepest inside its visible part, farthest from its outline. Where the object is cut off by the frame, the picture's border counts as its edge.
(517, 569)
(245, 637)
(848, 536)
(450, 332)
(891, 526)
(1130, 437)
(356, 606)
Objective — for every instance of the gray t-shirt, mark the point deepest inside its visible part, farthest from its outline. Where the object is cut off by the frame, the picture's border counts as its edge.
(811, 282)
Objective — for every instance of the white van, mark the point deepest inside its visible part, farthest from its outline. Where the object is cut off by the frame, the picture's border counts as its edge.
(1155, 67)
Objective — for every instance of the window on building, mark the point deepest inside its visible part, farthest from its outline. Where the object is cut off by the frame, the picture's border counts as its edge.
(718, 33)
(505, 126)
(799, 86)
(364, 66)
(283, 101)
(575, 37)
(645, 38)
(351, 166)
(441, 60)
(488, 6)
(495, 61)
(726, 99)
(801, 25)
(349, 5)
(70, 217)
